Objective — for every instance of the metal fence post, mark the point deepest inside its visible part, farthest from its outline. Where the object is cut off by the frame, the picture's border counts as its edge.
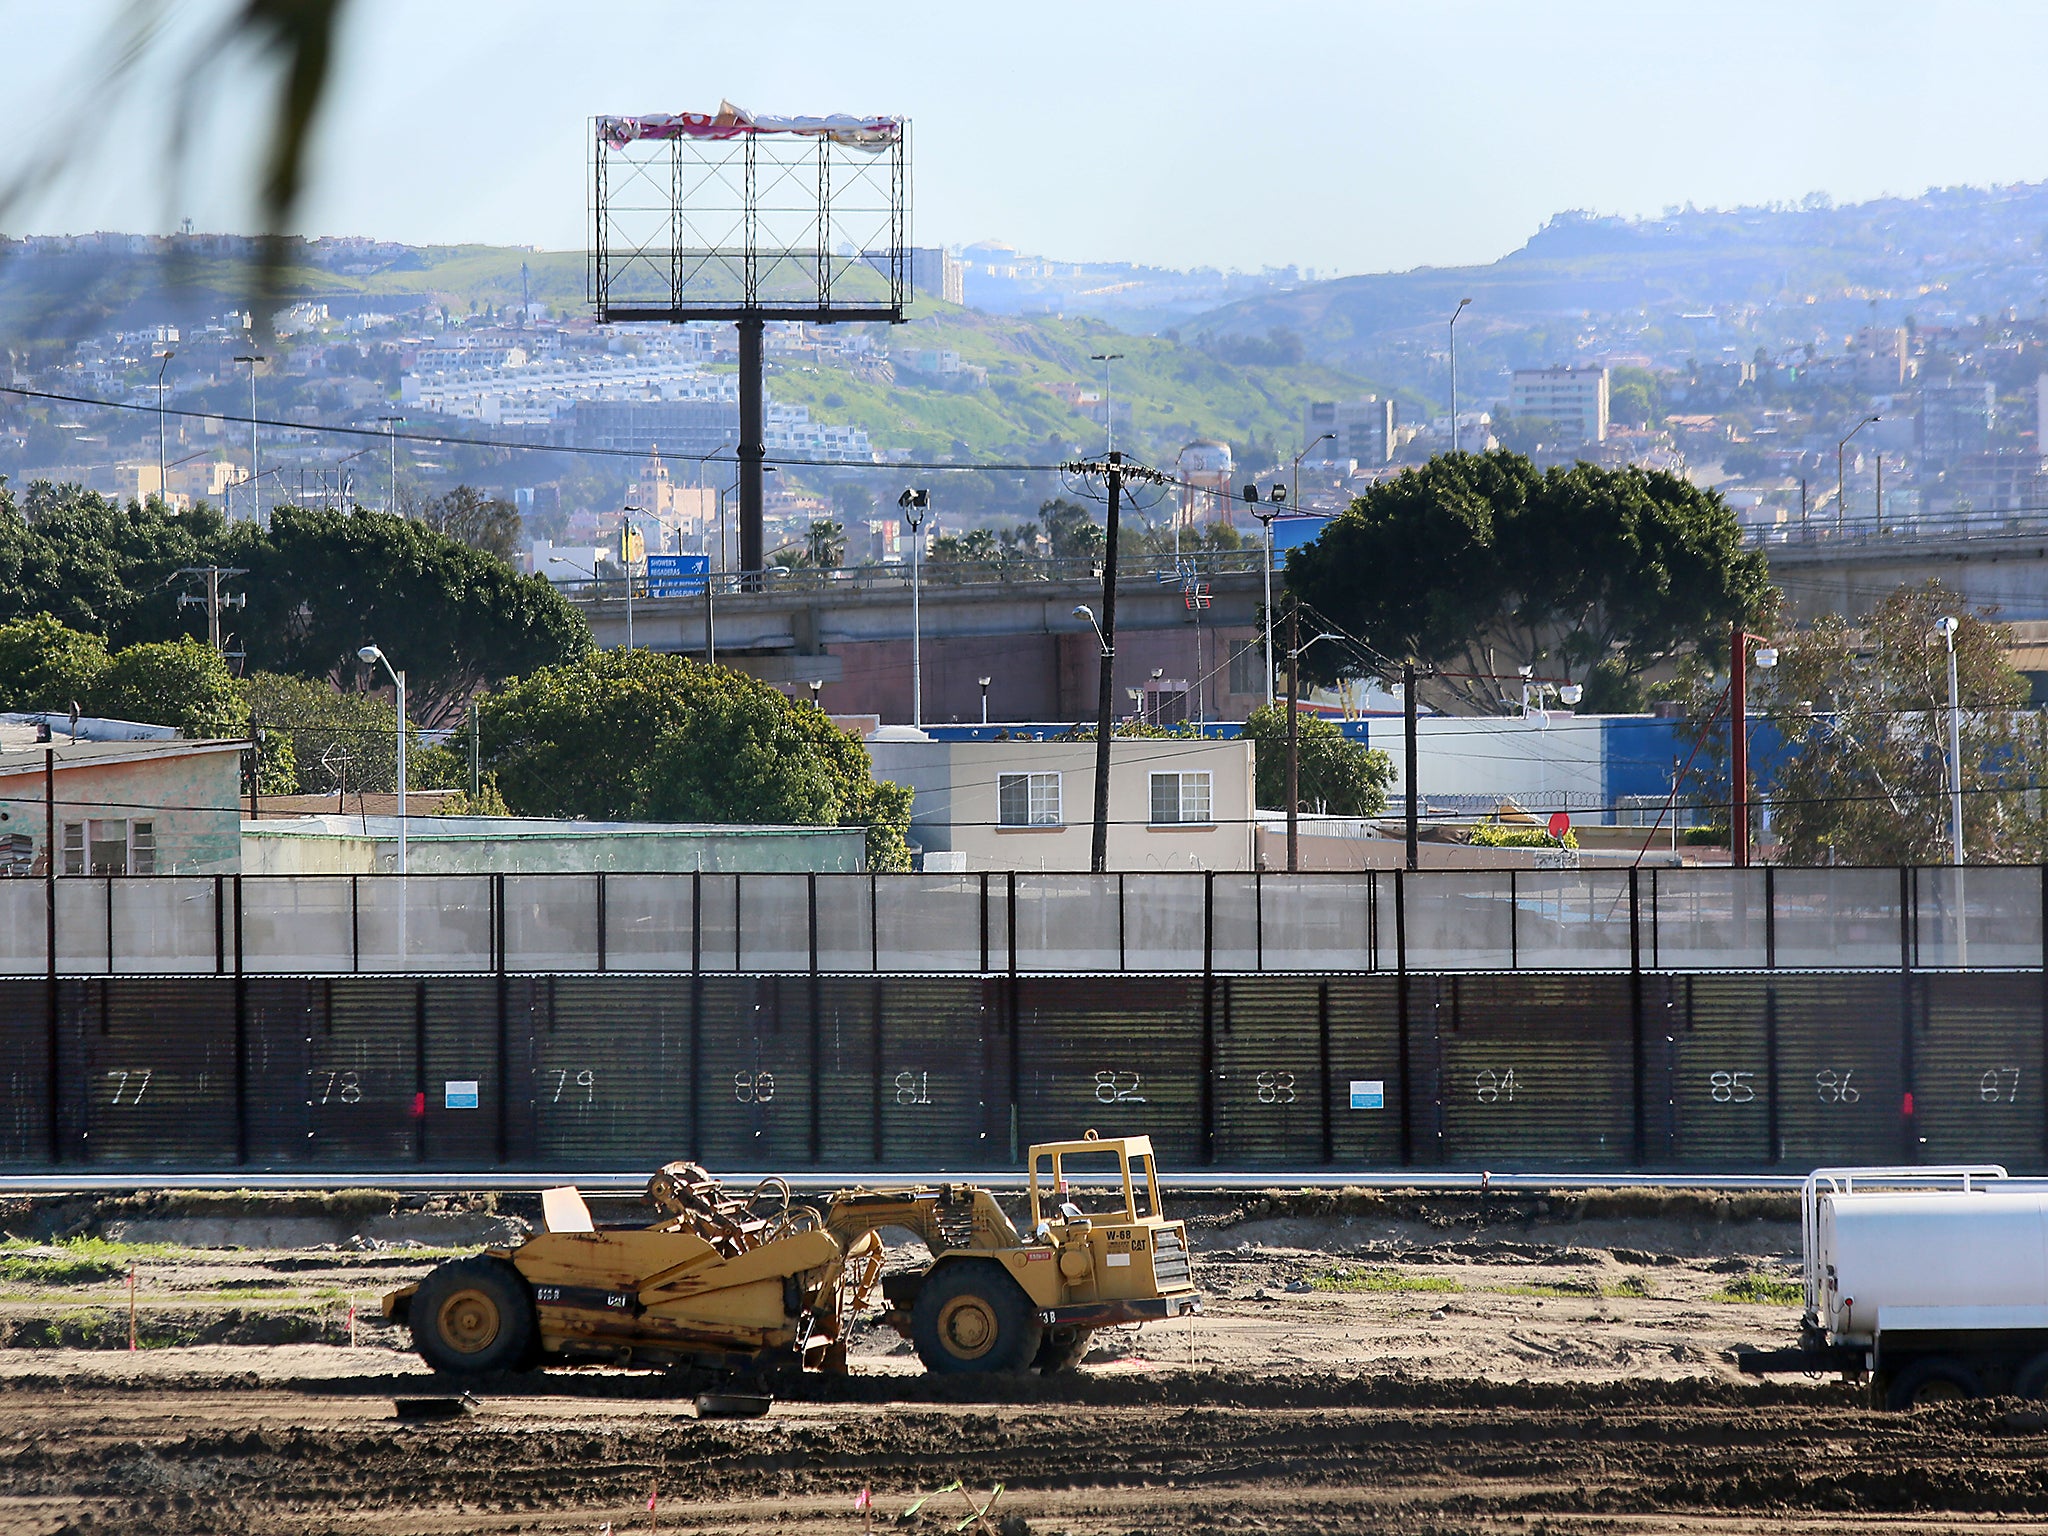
(1401, 1014)
(1639, 1065)
(504, 1002)
(1323, 1069)
(1909, 1119)
(1209, 1017)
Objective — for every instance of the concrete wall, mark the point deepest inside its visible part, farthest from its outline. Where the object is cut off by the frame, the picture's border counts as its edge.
(464, 845)
(955, 809)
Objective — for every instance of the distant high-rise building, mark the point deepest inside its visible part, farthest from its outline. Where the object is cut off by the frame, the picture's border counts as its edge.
(938, 273)
(1568, 396)
(1364, 429)
(1882, 360)
(1955, 419)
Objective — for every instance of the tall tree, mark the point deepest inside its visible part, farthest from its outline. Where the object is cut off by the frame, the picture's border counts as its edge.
(486, 523)
(1336, 775)
(322, 585)
(184, 683)
(46, 666)
(1858, 772)
(1479, 563)
(634, 735)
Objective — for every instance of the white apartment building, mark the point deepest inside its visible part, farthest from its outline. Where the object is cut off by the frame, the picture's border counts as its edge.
(1030, 805)
(1563, 395)
(1361, 430)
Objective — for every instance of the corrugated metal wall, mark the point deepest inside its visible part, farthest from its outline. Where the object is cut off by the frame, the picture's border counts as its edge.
(1532, 1071)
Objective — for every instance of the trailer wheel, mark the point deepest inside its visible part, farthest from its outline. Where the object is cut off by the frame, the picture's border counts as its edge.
(2031, 1379)
(1062, 1350)
(970, 1316)
(1932, 1379)
(472, 1317)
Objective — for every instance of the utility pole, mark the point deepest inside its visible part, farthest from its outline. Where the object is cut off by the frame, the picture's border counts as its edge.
(1454, 371)
(213, 602)
(1105, 695)
(1408, 764)
(476, 759)
(1293, 734)
(1738, 749)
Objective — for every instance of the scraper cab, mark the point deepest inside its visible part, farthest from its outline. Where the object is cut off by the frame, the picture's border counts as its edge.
(760, 1282)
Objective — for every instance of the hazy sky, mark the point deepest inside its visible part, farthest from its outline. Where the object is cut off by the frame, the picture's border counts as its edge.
(1347, 137)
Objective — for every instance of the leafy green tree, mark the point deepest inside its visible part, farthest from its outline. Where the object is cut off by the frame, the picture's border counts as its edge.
(482, 522)
(184, 683)
(1861, 712)
(1071, 531)
(1336, 775)
(1479, 563)
(825, 545)
(322, 585)
(1635, 398)
(338, 739)
(46, 666)
(634, 735)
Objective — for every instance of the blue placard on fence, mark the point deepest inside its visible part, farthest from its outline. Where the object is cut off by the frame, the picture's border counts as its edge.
(676, 575)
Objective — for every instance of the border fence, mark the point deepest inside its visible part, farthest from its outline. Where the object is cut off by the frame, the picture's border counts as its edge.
(1702, 1020)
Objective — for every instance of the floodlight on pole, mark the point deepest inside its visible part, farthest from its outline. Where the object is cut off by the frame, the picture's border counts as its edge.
(984, 698)
(1251, 498)
(370, 656)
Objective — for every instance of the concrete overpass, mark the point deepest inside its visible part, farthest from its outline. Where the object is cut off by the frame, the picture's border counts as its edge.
(1995, 560)
(851, 630)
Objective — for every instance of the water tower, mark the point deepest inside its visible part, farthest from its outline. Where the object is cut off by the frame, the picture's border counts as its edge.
(1205, 470)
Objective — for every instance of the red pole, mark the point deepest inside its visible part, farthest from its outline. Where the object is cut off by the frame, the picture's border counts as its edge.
(1738, 751)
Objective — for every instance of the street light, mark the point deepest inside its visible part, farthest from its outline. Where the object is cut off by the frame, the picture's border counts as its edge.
(1844, 443)
(1108, 398)
(817, 687)
(391, 431)
(984, 699)
(163, 489)
(1294, 475)
(915, 501)
(1294, 655)
(1083, 611)
(1251, 497)
(1946, 627)
(371, 655)
(256, 503)
(1454, 371)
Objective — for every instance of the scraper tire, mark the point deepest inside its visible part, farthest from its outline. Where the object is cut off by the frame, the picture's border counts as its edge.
(970, 1316)
(474, 1317)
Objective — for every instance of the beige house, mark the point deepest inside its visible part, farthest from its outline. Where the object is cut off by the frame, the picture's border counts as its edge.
(1030, 805)
(121, 807)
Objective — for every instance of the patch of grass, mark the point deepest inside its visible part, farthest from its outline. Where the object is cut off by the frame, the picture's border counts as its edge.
(99, 1248)
(68, 1269)
(1550, 1289)
(1359, 1280)
(1763, 1290)
(1628, 1285)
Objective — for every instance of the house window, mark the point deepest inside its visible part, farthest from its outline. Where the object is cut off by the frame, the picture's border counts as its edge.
(107, 842)
(1028, 799)
(109, 848)
(1180, 798)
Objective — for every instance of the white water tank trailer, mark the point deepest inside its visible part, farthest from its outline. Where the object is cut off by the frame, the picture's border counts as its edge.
(1928, 1283)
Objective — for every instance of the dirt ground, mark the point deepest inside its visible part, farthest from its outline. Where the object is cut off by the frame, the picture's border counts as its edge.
(1366, 1363)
